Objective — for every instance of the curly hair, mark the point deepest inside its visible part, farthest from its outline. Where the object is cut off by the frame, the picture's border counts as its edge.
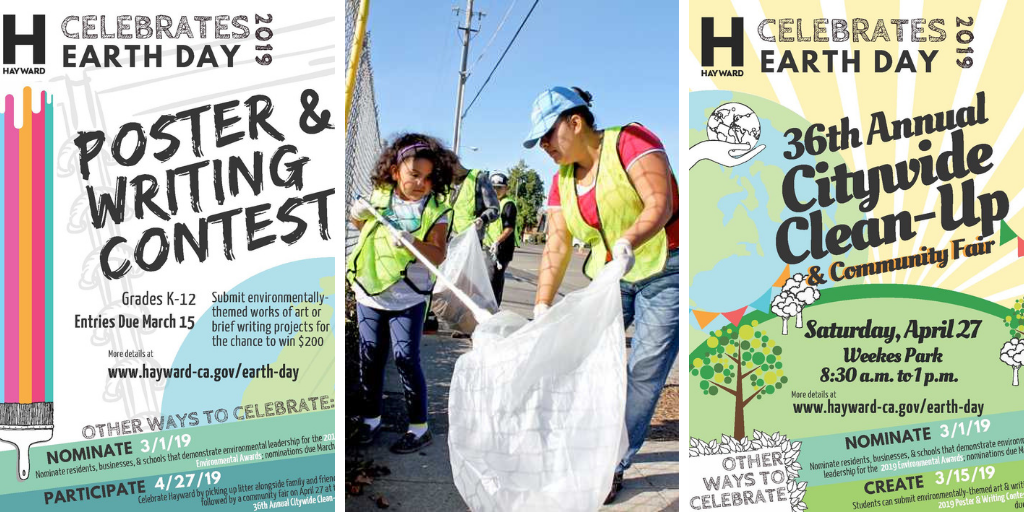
(432, 149)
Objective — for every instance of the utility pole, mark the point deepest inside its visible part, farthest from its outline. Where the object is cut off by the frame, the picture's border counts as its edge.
(466, 31)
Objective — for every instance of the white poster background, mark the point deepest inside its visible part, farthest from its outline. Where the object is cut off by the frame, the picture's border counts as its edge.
(91, 98)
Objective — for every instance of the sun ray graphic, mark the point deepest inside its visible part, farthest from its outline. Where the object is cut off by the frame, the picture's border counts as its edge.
(984, 32)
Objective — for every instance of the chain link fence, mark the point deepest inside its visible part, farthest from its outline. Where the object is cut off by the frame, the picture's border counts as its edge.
(362, 135)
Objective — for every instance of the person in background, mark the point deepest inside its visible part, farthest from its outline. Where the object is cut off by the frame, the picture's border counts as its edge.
(473, 200)
(502, 235)
(615, 191)
(391, 286)
(473, 204)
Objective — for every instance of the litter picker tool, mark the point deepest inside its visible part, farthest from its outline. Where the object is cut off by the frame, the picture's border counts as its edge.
(481, 314)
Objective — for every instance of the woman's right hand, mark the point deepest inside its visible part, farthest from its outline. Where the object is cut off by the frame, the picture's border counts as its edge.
(554, 261)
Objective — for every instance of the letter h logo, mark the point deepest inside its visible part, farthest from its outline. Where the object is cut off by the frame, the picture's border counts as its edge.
(37, 39)
(708, 42)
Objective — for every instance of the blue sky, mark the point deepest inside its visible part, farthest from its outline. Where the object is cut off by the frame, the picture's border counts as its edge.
(627, 56)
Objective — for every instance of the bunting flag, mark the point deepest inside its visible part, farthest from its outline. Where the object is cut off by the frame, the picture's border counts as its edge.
(765, 302)
(781, 281)
(704, 317)
(1006, 234)
(735, 316)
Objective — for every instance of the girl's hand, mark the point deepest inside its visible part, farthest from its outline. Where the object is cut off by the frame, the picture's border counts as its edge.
(398, 236)
(361, 210)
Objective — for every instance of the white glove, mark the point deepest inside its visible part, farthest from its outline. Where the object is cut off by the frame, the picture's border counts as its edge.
(539, 309)
(361, 210)
(398, 235)
(623, 250)
(478, 222)
(494, 248)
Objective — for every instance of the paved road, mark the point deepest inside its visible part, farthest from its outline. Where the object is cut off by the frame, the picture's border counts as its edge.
(521, 279)
(423, 481)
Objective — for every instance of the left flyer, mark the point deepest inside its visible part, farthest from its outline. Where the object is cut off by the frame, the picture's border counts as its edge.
(167, 271)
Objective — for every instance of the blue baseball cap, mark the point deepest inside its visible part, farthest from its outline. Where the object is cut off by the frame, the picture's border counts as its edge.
(546, 109)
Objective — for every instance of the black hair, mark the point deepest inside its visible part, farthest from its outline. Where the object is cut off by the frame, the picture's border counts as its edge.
(432, 149)
(583, 110)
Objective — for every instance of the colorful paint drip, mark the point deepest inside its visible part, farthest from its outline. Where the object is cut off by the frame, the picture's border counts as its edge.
(26, 303)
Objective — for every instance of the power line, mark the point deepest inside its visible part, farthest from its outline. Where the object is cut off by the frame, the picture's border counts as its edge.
(535, 2)
(493, 36)
(441, 60)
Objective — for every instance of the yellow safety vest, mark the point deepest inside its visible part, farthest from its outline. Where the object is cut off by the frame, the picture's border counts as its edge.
(495, 228)
(464, 203)
(618, 206)
(376, 264)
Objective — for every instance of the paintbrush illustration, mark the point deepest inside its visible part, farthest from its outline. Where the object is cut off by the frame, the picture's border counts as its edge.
(26, 278)
(24, 425)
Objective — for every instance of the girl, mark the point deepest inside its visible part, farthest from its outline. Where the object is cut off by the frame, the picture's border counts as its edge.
(392, 288)
(616, 192)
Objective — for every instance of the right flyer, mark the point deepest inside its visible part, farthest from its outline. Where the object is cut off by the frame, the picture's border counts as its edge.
(856, 261)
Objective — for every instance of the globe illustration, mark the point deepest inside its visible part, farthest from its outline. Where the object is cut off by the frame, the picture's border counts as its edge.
(736, 212)
(735, 123)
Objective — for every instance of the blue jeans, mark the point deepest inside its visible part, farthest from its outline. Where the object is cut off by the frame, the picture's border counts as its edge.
(653, 304)
(399, 332)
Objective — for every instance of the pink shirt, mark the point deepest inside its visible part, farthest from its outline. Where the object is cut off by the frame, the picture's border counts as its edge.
(635, 141)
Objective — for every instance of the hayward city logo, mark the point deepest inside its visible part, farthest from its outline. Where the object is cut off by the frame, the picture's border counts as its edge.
(12, 39)
(709, 41)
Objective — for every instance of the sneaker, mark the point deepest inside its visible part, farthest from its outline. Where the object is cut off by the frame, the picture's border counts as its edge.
(409, 443)
(365, 436)
(616, 487)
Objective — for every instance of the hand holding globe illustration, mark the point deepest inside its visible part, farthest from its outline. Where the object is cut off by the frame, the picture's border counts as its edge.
(733, 131)
(736, 123)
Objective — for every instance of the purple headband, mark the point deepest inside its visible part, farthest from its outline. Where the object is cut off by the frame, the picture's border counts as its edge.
(404, 152)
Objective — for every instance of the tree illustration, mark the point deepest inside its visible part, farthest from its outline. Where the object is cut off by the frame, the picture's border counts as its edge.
(803, 293)
(1013, 355)
(1012, 352)
(736, 355)
(786, 305)
(1015, 320)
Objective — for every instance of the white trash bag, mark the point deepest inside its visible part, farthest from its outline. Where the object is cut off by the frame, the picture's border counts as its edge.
(536, 410)
(467, 268)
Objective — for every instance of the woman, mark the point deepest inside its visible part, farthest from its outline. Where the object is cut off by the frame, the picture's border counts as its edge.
(615, 191)
(391, 287)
